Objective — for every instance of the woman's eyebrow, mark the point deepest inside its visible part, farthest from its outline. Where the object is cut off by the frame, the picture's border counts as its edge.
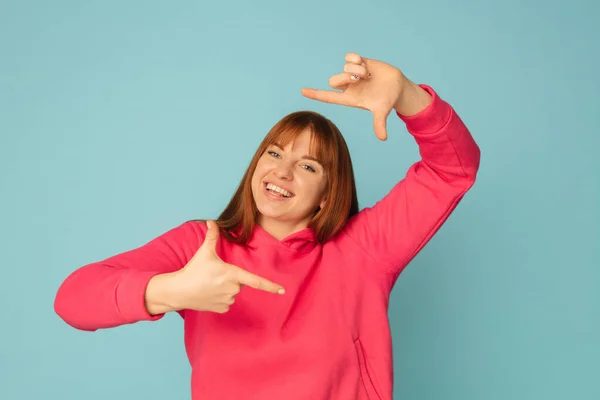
(308, 157)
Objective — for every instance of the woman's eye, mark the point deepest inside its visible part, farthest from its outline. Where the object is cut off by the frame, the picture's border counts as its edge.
(310, 168)
(274, 154)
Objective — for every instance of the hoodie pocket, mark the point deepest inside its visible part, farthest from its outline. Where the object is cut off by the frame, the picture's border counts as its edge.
(365, 372)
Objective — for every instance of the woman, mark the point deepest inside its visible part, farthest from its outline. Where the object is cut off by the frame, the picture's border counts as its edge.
(312, 322)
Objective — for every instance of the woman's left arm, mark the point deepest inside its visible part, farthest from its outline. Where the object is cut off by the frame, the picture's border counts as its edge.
(395, 229)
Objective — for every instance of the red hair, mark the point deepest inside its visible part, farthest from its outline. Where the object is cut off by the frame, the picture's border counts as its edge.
(237, 220)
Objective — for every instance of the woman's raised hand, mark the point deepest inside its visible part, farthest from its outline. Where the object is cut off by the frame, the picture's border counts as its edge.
(368, 84)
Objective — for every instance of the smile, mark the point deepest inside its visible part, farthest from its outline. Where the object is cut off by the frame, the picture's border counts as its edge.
(277, 192)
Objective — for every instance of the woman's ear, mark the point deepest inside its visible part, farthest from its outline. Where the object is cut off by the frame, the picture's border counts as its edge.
(323, 202)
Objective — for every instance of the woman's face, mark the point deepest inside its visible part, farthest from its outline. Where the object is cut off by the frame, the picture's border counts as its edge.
(288, 185)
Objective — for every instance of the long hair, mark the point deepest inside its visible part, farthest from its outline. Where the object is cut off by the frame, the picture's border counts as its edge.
(238, 219)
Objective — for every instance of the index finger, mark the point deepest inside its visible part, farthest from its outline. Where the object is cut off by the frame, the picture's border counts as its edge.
(257, 282)
(328, 96)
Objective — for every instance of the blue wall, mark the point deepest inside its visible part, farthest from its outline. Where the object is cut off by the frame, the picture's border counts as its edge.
(120, 120)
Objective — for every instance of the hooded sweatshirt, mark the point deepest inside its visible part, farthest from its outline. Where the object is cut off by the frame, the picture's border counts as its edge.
(328, 337)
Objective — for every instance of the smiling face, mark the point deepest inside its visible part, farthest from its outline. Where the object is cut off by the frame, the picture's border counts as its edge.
(300, 176)
(288, 185)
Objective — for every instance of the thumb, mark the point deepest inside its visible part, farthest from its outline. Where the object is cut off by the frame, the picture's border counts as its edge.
(380, 124)
(212, 236)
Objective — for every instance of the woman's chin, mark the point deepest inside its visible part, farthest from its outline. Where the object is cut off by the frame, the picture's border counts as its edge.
(266, 215)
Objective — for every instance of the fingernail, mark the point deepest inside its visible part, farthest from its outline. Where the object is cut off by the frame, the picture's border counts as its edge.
(281, 291)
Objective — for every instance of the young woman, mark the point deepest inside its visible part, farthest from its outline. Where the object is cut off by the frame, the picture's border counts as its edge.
(285, 295)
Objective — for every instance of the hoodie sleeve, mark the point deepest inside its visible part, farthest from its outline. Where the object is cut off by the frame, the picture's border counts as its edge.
(111, 292)
(398, 226)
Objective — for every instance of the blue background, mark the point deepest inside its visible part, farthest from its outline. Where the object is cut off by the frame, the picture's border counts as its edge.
(120, 120)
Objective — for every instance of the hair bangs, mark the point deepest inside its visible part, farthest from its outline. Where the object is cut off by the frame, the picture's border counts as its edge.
(323, 145)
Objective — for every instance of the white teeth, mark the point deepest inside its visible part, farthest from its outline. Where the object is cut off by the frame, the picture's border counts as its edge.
(277, 189)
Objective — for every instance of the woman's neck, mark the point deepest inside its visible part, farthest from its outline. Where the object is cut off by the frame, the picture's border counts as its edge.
(280, 229)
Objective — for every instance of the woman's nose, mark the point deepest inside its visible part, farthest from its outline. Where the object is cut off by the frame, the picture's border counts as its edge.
(284, 171)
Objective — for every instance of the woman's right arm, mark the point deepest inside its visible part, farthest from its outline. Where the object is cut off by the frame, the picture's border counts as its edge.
(129, 287)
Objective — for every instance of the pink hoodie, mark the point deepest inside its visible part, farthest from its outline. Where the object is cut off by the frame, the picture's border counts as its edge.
(328, 337)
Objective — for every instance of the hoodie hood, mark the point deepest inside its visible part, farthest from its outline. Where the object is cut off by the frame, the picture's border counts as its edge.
(303, 241)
